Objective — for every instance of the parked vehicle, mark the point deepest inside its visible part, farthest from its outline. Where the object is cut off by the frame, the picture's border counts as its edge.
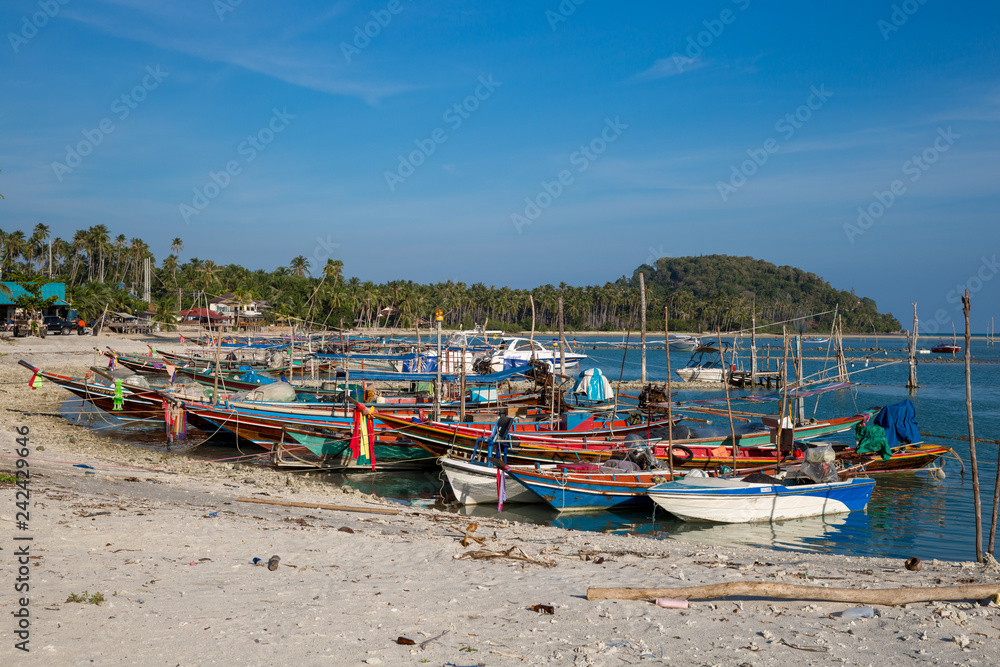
(56, 324)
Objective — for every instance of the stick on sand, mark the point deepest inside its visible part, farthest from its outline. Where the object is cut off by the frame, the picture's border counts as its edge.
(763, 589)
(315, 506)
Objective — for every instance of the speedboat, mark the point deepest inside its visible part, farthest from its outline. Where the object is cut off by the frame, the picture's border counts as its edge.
(705, 365)
(521, 351)
(683, 343)
(946, 348)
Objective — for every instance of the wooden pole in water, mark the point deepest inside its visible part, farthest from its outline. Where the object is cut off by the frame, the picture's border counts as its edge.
(753, 345)
(437, 379)
(729, 407)
(218, 352)
(784, 389)
(977, 501)
(670, 415)
(642, 320)
(531, 338)
(562, 349)
(461, 409)
(911, 383)
(799, 374)
(562, 340)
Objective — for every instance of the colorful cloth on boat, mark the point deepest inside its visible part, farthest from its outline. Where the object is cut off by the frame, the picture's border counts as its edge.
(35, 381)
(501, 489)
(872, 440)
(118, 399)
(899, 422)
(594, 385)
(362, 445)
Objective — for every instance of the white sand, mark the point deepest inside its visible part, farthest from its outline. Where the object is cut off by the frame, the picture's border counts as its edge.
(179, 587)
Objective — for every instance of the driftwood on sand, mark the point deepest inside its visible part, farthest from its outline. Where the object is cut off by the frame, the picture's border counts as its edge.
(764, 589)
(315, 506)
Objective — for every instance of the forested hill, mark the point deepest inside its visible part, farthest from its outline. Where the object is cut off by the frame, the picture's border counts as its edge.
(720, 291)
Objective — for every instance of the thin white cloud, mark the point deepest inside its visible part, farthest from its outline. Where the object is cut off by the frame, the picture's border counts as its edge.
(671, 66)
(243, 42)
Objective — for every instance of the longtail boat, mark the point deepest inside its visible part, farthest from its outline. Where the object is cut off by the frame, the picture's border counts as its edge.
(585, 445)
(569, 490)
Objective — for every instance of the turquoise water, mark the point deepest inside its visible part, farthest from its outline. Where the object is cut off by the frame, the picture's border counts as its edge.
(909, 515)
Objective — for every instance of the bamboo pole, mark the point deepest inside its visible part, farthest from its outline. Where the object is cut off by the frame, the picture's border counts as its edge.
(531, 338)
(670, 415)
(769, 589)
(784, 390)
(562, 339)
(977, 501)
(729, 407)
(316, 506)
(911, 383)
(461, 409)
(642, 320)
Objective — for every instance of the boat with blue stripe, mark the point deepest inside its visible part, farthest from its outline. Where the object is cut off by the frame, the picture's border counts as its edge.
(727, 500)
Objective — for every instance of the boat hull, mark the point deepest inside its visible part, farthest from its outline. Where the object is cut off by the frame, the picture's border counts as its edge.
(582, 492)
(474, 483)
(730, 501)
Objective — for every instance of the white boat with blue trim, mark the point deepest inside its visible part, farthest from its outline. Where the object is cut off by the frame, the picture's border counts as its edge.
(725, 500)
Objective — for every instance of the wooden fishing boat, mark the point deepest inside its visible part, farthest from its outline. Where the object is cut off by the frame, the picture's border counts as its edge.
(137, 403)
(527, 447)
(736, 501)
(475, 482)
(322, 443)
(576, 490)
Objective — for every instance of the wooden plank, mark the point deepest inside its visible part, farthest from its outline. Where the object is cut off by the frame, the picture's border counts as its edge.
(316, 506)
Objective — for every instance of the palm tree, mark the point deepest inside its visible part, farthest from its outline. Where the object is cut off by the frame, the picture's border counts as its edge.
(176, 246)
(299, 265)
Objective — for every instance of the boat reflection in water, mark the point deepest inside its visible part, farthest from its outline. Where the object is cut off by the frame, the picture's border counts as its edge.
(816, 534)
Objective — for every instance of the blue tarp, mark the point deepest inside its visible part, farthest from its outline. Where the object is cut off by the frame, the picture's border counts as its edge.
(492, 378)
(252, 376)
(899, 422)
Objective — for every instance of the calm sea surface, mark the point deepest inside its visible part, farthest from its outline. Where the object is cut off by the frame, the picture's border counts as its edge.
(909, 515)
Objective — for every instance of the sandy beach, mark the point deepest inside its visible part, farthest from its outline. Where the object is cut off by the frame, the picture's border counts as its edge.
(170, 548)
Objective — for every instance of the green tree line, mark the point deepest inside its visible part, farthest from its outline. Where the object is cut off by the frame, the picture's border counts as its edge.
(702, 293)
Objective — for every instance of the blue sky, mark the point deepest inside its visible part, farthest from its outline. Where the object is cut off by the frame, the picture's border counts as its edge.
(519, 143)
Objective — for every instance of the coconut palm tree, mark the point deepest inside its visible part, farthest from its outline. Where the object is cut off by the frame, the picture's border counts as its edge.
(299, 265)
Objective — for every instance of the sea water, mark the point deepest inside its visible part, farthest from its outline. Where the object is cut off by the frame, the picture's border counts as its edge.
(910, 514)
